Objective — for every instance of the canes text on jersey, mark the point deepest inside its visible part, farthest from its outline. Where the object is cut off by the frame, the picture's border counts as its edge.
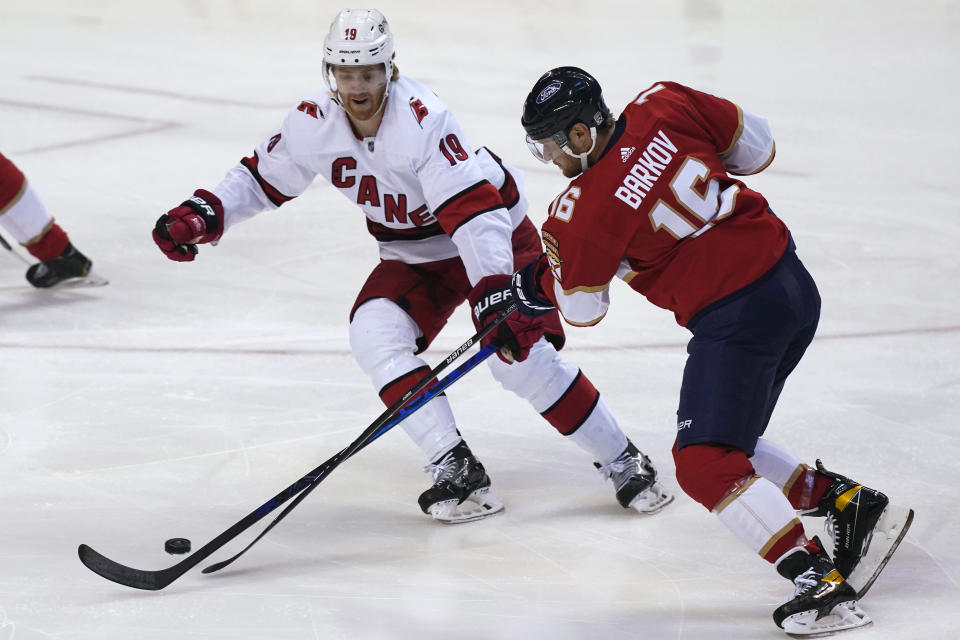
(368, 193)
(648, 168)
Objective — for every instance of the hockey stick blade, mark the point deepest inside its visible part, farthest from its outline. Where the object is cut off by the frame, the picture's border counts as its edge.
(149, 580)
(156, 580)
(343, 455)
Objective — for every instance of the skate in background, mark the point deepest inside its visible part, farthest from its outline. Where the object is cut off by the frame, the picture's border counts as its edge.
(25, 218)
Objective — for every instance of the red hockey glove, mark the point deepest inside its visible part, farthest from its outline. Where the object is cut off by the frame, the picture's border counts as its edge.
(525, 286)
(517, 333)
(197, 220)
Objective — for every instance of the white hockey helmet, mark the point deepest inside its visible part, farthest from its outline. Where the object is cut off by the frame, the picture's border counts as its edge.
(357, 37)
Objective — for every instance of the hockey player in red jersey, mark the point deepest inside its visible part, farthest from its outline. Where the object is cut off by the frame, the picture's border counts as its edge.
(451, 226)
(654, 201)
(28, 221)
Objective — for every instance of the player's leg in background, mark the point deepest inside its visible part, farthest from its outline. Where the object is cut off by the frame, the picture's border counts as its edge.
(568, 401)
(24, 216)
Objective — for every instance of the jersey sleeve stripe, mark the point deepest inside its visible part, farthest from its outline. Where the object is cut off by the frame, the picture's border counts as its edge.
(586, 289)
(766, 163)
(509, 191)
(383, 233)
(736, 134)
(466, 205)
(584, 324)
(582, 306)
(252, 164)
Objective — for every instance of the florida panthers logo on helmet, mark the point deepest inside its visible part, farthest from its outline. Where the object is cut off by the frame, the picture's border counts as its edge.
(549, 91)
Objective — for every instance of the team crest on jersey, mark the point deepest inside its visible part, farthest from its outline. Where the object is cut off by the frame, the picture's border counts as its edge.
(273, 142)
(310, 108)
(626, 152)
(419, 110)
(552, 248)
(549, 91)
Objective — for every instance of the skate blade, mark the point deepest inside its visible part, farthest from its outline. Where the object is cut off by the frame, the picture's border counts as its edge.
(887, 535)
(652, 500)
(843, 617)
(90, 280)
(478, 505)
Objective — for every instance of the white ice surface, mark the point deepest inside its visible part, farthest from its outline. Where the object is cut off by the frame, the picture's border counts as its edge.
(180, 397)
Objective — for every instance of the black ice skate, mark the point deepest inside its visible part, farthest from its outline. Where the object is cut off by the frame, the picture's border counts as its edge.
(823, 602)
(865, 528)
(461, 489)
(69, 268)
(635, 479)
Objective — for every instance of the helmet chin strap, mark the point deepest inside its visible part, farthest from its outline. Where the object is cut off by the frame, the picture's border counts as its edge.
(383, 100)
(586, 154)
(335, 91)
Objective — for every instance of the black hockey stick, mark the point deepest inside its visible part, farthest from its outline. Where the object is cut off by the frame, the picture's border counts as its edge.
(345, 453)
(156, 580)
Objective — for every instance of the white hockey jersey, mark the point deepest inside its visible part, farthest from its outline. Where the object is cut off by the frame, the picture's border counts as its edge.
(426, 194)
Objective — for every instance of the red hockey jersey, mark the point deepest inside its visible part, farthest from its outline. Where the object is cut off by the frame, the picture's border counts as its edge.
(661, 210)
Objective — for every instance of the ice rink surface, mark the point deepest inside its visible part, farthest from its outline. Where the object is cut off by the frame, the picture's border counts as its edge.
(180, 397)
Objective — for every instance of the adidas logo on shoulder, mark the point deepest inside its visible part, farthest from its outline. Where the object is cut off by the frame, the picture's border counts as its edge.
(626, 152)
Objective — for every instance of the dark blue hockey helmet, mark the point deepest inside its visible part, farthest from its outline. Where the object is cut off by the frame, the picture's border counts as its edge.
(561, 98)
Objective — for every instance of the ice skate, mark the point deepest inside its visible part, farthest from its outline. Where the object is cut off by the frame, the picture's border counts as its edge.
(70, 268)
(635, 479)
(823, 602)
(865, 528)
(461, 489)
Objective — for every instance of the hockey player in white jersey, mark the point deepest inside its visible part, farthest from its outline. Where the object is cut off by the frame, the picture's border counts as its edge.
(451, 226)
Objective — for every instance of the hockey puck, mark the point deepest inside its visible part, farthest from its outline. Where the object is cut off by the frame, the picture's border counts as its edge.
(177, 545)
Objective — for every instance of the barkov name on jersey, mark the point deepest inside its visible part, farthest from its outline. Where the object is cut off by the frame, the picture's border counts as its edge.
(649, 166)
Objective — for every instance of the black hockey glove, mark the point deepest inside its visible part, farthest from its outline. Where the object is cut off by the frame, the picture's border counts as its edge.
(525, 285)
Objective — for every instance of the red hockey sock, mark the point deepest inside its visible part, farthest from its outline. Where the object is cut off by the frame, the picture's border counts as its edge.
(50, 245)
(790, 539)
(573, 407)
(395, 389)
(12, 183)
(807, 490)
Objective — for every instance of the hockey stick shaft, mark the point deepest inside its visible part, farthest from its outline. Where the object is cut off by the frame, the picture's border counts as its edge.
(346, 453)
(155, 580)
(6, 245)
